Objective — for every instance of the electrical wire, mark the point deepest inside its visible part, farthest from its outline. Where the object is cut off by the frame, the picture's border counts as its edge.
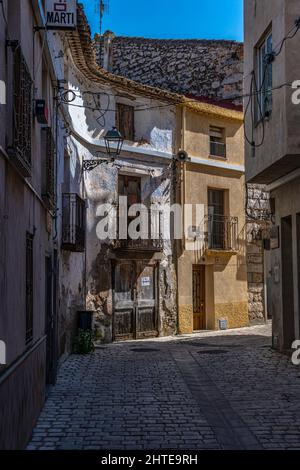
(269, 59)
(248, 95)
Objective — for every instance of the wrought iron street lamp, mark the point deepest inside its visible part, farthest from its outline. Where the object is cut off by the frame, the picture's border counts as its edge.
(113, 143)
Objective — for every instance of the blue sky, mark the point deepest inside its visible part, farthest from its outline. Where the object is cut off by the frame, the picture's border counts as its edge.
(211, 19)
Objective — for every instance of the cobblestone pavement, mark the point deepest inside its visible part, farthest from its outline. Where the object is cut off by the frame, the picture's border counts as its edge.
(224, 390)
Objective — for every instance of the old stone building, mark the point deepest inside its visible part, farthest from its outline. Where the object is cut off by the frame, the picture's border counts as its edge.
(213, 72)
(130, 284)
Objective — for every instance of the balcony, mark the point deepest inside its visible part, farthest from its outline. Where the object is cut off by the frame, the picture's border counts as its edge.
(20, 150)
(221, 234)
(151, 239)
(73, 223)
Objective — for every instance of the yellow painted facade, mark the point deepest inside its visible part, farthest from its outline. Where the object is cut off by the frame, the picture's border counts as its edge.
(225, 270)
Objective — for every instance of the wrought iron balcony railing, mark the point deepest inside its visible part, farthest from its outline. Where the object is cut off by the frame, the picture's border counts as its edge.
(49, 193)
(73, 223)
(20, 151)
(217, 149)
(222, 233)
(151, 238)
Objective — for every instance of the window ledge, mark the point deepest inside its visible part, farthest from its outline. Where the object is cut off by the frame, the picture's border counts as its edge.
(217, 157)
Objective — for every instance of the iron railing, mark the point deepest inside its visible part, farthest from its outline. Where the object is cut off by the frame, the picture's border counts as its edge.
(73, 223)
(151, 238)
(49, 193)
(22, 114)
(222, 232)
(217, 149)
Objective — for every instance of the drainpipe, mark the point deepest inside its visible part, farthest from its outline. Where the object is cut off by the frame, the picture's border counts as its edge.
(183, 166)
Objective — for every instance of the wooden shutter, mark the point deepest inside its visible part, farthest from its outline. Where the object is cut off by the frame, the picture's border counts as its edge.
(125, 121)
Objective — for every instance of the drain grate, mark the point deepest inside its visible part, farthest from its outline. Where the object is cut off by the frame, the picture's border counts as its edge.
(213, 351)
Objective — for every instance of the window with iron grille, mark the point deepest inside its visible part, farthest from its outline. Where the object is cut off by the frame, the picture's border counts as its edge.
(125, 121)
(22, 114)
(216, 208)
(217, 142)
(48, 145)
(29, 288)
(73, 236)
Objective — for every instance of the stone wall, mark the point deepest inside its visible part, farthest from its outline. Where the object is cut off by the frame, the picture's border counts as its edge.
(257, 221)
(207, 68)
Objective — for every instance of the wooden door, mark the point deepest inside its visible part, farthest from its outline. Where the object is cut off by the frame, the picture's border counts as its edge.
(199, 307)
(135, 301)
(146, 297)
(124, 301)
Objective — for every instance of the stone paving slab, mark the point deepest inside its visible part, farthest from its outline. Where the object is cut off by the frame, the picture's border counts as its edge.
(175, 393)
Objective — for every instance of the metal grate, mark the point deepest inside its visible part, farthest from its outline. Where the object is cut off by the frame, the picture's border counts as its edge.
(152, 239)
(222, 232)
(49, 195)
(73, 236)
(29, 288)
(22, 113)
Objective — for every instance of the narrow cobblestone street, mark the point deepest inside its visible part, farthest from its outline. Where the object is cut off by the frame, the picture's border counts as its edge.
(206, 391)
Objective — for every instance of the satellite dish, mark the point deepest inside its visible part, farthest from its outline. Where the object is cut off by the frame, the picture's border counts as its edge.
(182, 156)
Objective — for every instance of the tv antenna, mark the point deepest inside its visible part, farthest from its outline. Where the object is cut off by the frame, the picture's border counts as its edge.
(101, 7)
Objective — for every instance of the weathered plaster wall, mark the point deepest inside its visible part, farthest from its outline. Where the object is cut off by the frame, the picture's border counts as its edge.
(154, 132)
(213, 69)
(93, 115)
(101, 187)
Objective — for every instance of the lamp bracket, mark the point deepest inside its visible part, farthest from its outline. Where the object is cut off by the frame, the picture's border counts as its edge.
(89, 165)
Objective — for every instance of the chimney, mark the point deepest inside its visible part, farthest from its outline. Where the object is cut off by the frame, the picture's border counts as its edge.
(108, 38)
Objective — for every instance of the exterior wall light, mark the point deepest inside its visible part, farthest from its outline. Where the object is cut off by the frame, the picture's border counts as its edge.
(113, 143)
